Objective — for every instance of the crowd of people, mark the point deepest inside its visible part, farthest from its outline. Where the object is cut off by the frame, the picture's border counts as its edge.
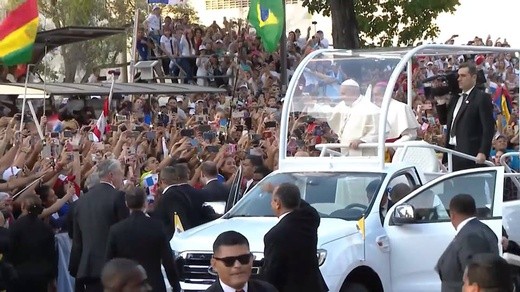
(178, 148)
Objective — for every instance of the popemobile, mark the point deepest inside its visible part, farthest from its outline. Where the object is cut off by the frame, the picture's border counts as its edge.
(384, 224)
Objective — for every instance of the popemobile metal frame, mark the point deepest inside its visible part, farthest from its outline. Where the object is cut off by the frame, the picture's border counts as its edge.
(406, 56)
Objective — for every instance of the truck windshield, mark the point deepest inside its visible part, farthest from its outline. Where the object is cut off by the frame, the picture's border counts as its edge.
(344, 195)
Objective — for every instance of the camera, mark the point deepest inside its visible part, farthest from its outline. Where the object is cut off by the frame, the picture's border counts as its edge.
(450, 83)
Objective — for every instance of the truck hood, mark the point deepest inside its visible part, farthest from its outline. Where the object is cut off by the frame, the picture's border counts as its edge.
(254, 228)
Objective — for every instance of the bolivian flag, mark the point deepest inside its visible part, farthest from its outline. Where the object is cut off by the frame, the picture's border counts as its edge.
(17, 34)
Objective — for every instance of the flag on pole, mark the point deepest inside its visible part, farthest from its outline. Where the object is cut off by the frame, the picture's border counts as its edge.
(502, 100)
(361, 226)
(101, 126)
(149, 181)
(177, 223)
(169, 2)
(54, 124)
(267, 17)
(17, 34)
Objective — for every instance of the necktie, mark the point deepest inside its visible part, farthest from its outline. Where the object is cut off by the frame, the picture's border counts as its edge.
(241, 290)
(453, 125)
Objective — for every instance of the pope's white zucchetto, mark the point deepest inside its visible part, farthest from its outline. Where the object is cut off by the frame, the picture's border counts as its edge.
(350, 82)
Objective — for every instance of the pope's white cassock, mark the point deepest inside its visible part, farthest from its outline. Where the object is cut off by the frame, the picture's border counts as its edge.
(402, 121)
(359, 122)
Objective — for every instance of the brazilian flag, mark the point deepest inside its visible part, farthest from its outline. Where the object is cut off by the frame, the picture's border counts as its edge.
(267, 17)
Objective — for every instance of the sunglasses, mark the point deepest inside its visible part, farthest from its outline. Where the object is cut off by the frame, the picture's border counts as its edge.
(230, 261)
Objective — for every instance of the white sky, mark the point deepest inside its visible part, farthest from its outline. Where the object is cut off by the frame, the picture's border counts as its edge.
(497, 18)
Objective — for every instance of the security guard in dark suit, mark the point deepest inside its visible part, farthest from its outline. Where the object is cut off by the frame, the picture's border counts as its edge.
(144, 240)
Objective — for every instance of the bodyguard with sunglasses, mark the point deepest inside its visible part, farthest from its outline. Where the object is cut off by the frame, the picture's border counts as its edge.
(233, 261)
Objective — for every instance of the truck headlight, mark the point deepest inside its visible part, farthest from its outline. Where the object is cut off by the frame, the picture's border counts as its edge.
(322, 255)
(176, 254)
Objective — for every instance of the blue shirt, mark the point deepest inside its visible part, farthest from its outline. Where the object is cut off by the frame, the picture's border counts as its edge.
(60, 221)
(142, 49)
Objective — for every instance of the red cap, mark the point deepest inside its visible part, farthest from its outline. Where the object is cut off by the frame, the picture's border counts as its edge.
(479, 59)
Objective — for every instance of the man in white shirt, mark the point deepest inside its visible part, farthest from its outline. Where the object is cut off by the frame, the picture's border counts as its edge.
(153, 24)
(233, 262)
(323, 43)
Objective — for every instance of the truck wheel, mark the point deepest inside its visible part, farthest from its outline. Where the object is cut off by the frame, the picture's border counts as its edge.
(354, 287)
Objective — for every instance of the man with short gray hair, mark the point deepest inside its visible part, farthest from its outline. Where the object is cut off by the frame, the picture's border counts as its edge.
(101, 207)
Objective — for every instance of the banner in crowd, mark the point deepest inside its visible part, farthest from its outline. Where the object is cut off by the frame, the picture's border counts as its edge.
(502, 101)
(169, 2)
(267, 17)
(18, 33)
(102, 126)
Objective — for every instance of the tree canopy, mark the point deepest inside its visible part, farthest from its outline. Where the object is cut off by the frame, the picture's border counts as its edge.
(381, 23)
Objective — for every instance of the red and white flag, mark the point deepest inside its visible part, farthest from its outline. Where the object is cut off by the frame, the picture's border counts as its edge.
(101, 126)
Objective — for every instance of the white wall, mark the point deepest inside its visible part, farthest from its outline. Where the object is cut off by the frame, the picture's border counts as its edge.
(296, 16)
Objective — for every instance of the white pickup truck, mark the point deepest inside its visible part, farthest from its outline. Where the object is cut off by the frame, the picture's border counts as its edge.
(402, 240)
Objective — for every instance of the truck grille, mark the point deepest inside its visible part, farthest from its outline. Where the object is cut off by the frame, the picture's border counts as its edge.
(194, 267)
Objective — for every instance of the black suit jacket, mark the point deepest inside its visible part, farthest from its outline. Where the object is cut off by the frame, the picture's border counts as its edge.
(143, 239)
(31, 248)
(290, 255)
(474, 125)
(184, 200)
(252, 286)
(216, 191)
(474, 237)
(101, 207)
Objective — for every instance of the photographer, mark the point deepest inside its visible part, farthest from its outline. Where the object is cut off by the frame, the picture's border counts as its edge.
(468, 117)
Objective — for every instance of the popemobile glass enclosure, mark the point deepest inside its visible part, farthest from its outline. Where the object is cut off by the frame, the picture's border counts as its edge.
(337, 98)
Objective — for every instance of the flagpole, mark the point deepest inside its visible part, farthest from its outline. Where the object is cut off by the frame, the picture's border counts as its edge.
(134, 45)
(38, 126)
(25, 95)
(111, 92)
(283, 50)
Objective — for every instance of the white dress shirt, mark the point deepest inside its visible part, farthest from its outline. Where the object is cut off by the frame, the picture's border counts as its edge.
(174, 185)
(108, 183)
(453, 140)
(210, 180)
(154, 22)
(463, 223)
(283, 215)
(248, 183)
(227, 288)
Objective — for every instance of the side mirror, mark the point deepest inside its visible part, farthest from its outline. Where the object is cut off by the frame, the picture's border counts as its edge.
(403, 214)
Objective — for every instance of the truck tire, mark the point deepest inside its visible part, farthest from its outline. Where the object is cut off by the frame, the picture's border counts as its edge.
(354, 287)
